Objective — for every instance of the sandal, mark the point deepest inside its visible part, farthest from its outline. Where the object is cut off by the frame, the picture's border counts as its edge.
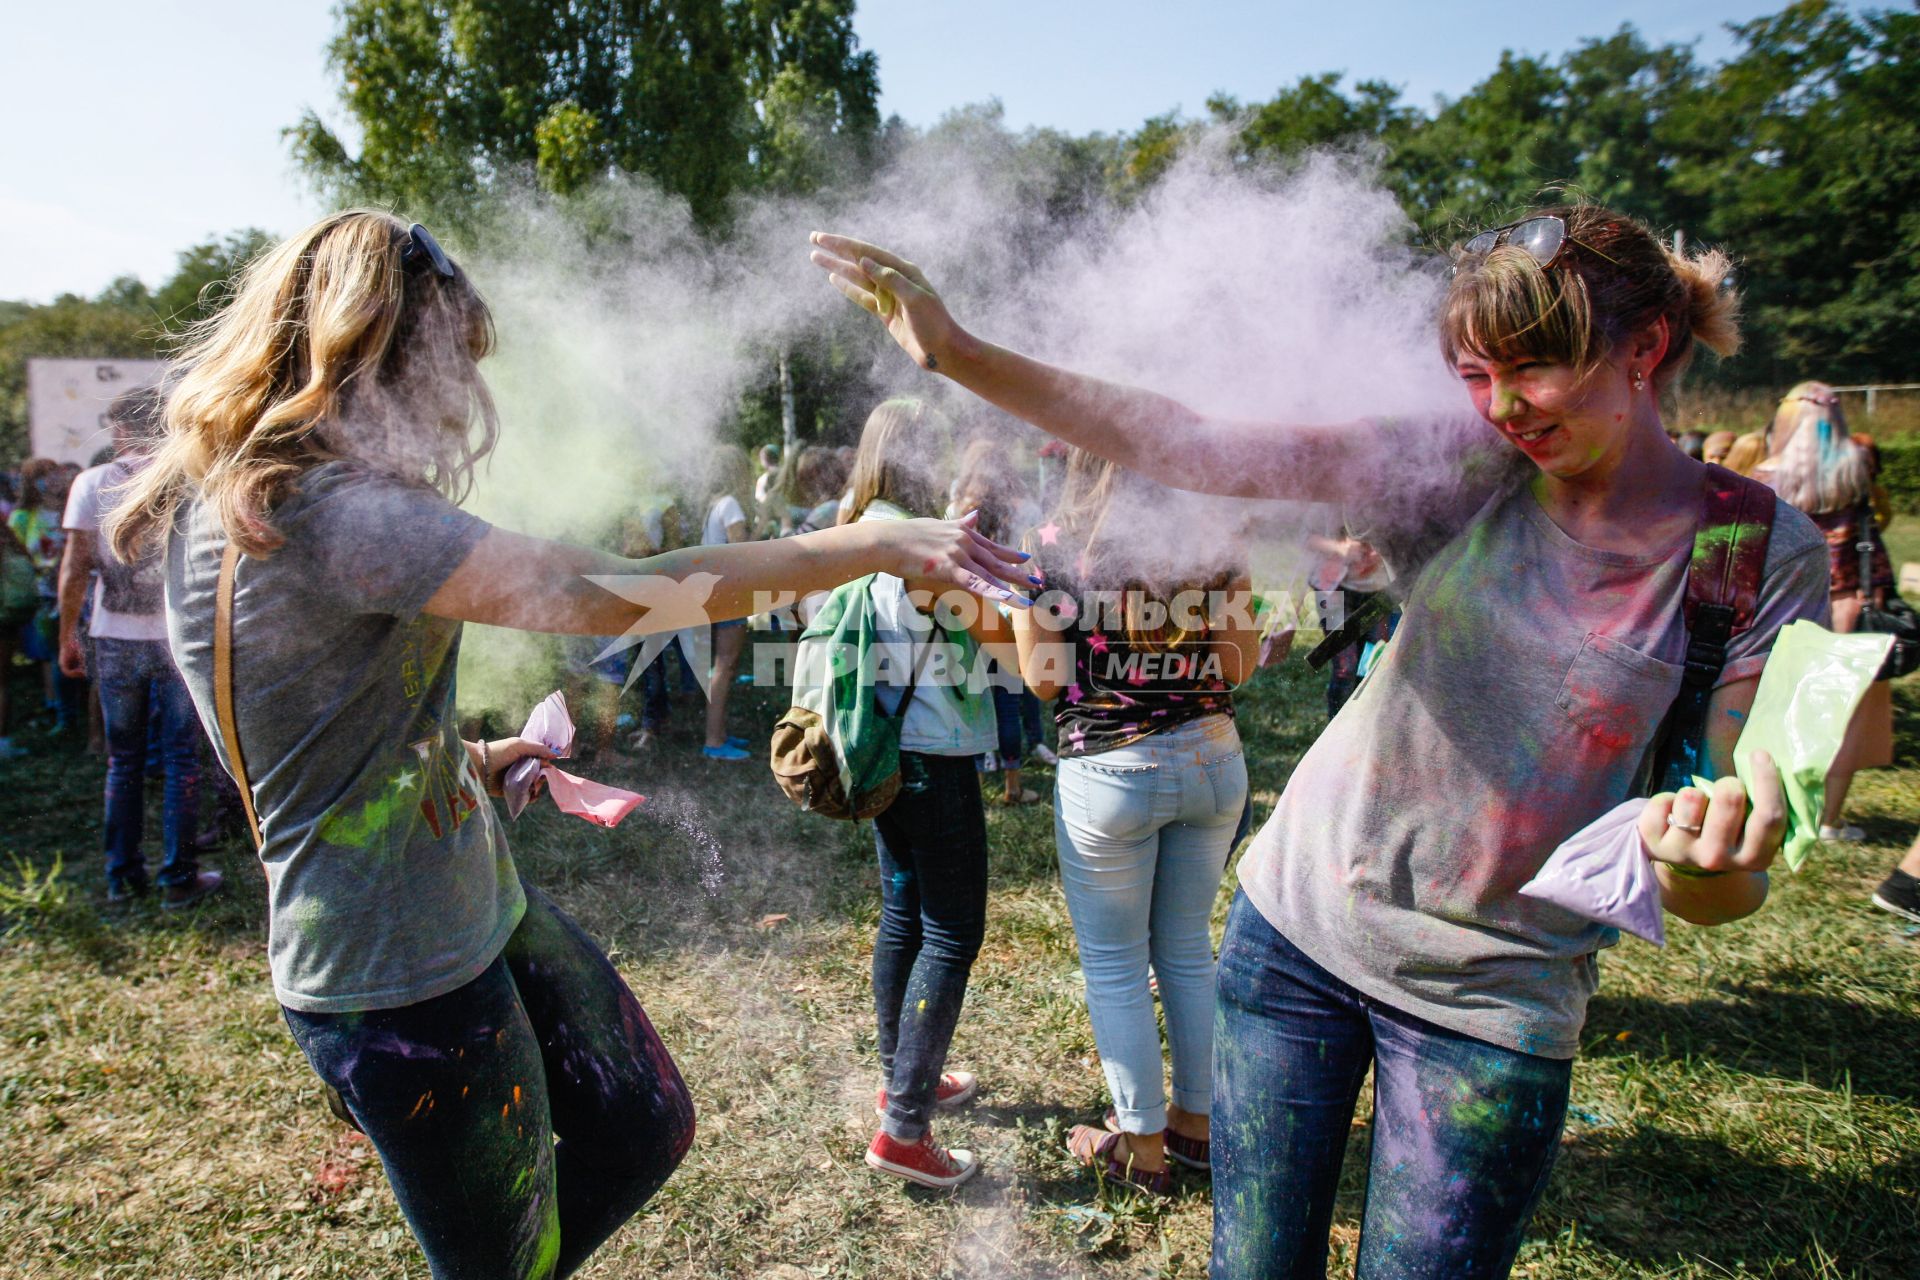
(1099, 1149)
(1194, 1153)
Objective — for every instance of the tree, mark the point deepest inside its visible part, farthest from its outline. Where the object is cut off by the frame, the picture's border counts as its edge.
(703, 96)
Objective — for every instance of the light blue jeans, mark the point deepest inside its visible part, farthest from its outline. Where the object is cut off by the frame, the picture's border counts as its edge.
(1144, 832)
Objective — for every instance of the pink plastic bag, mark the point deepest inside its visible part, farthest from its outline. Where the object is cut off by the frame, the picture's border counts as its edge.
(552, 728)
(1602, 873)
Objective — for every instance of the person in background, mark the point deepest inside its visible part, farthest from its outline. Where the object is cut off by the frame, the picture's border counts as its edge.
(764, 482)
(986, 483)
(730, 518)
(822, 479)
(1746, 453)
(138, 682)
(19, 602)
(1691, 443)
(1814, 463)
(1900, 891)
(931, 843)
(1715, 447)
(35, 525)
(1151, 786)
(1359, 574)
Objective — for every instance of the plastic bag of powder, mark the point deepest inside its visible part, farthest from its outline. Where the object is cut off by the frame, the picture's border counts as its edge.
(552, 727)
(1811, 687)
(1602, 873)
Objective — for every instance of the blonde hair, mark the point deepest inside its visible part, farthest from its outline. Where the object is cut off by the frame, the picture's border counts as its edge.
(1816, 465)
(892, 466)
(1747, 453)
(1089, 493)
(330, 349)
(1613, 277)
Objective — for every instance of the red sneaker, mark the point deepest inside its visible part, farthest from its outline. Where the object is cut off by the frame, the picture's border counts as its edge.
(956, 1089)
(925, 1162)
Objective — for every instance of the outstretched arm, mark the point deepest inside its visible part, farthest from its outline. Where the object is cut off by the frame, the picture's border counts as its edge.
(1141, 430)
(531, 584)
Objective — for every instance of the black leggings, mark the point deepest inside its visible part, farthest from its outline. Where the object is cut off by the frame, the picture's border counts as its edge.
(464, 1095)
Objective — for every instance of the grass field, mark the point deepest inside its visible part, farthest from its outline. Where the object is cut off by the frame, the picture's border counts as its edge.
(1745, 1104)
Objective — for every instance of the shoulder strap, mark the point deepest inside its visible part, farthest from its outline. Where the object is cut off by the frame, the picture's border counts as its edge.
(1723, 594)
(223, 684)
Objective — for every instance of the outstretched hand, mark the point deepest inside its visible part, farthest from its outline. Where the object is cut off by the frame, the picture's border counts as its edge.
(934, 554)
(891, 288)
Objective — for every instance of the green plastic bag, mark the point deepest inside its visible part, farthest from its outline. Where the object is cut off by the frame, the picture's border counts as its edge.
(1812, 684)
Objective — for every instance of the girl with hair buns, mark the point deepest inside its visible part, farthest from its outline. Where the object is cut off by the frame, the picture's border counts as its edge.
(319, 434)
(1813, 463)
(1541, 556)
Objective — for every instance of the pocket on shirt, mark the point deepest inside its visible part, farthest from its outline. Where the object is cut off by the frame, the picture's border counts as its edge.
(1616, 694)
(1112, 800)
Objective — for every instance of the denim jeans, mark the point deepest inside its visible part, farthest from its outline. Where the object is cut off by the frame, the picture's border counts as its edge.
(1464, 1132)
(653, 684)
(464, 1095)
(1016, 713)
(1143, 833)
(139, 686)
(932, 845)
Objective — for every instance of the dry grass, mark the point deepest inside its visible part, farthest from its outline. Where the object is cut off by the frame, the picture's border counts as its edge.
(1745, 1105)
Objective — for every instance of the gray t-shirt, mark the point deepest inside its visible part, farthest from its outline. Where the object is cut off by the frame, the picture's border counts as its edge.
(388, 877)
(1513, 706)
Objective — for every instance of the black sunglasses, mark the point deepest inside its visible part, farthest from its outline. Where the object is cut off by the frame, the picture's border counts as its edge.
(420, 251)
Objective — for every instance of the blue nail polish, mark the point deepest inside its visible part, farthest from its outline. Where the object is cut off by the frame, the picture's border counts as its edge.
(1036, 580)
(1025, 556)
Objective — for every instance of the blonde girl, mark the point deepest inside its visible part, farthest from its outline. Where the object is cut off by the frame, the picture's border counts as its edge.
(323, 427)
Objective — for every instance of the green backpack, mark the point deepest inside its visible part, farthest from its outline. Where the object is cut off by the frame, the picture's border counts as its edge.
(836, 751)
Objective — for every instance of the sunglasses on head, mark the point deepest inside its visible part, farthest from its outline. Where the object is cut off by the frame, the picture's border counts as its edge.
(420, 250)
(1544, 237)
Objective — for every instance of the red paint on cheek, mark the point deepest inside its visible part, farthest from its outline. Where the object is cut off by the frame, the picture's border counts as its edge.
(930, 565)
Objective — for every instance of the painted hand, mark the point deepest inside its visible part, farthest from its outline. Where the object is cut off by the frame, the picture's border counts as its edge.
(1714, 830)
(891, 288)
(937, 554)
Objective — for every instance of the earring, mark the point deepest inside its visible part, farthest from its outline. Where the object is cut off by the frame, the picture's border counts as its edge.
(1639, 383)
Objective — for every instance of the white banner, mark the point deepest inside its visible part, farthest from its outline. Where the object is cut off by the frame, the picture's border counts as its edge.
(67, 403)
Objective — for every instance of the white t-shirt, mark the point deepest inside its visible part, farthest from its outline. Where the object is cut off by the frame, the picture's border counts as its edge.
(128, 600)
(724, 512)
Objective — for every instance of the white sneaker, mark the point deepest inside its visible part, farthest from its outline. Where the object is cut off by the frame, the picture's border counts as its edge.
(1848, 834)
(1045, 755)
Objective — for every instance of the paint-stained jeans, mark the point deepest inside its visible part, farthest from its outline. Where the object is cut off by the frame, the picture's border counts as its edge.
(139, 688)
(932, 843)
(464, 1096)
(1143, 833)
(1464, 1132)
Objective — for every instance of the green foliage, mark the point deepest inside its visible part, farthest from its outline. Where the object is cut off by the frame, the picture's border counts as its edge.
(706, 97)
(1900, 471)
(127, 320)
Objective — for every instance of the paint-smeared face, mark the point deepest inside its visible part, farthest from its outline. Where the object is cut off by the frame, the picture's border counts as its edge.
(1562, 422)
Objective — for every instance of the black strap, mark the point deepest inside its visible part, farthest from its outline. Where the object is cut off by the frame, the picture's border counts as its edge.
(1369, 611)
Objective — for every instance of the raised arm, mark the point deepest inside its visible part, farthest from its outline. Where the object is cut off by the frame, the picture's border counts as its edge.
(1141, 430)
(531, 584)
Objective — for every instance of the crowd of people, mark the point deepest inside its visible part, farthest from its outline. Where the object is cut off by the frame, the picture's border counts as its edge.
(278, 553)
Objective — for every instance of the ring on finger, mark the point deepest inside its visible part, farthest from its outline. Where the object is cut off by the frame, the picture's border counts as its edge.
(1676, 824)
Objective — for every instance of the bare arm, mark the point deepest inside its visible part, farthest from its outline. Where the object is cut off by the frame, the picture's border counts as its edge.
(76, 566)
(1235, 636)
(1142, 430)
(531, 584)
(1730, 841)
(1044, 655)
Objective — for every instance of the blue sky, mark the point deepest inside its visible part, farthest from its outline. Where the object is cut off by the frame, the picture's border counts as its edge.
(137, 127)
